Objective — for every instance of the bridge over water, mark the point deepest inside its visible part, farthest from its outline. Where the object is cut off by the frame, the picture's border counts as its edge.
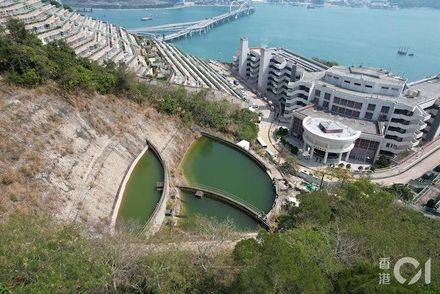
(231, 199)
(174, 31)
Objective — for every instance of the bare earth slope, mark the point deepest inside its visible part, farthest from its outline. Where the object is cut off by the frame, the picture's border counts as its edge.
(69, 155)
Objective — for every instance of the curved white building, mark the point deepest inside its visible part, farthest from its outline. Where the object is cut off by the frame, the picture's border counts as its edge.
(328, 137)
(392, 114)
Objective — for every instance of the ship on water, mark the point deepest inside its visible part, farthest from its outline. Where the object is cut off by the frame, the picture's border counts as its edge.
(148, 17)
(403, 51)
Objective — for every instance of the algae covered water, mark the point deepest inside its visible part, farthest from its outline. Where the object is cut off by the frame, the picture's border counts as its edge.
(215, 164)
(140, 196)
(211, 208)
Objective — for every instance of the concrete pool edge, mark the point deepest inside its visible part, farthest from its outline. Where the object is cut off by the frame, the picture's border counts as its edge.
(271, 170)
(229, 201)
(156, 219)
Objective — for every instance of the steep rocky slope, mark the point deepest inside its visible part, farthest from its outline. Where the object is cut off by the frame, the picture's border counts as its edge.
(70, 154)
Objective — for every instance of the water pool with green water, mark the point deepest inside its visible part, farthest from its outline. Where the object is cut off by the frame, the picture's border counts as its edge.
(212, 208)
(140, 196)
(214, 164)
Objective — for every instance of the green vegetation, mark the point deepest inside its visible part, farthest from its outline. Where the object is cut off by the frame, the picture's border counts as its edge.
(25, 61)
(329, 63)
(331, 243)
(289, 166)
(281, 132)
(401, 191)
(383, 162)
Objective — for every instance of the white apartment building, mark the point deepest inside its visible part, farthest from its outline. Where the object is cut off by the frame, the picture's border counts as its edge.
(391, 114)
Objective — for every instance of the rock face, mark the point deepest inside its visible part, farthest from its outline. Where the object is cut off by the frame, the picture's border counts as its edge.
(69, 155)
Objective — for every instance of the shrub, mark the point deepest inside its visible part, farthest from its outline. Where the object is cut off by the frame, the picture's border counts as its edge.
(382, 162)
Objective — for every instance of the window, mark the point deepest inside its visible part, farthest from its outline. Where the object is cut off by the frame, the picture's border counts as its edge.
(357, 105)
(368, 115)
(385, 109)
(385, 88)
(395, 89)
(371, 107)
(350, 104)
(325, 104)
(337, 100)
(327, 96)
(347, 82)
(317, 93)
(336, 78)
(382, 117)
(357, 84)
(368, 86)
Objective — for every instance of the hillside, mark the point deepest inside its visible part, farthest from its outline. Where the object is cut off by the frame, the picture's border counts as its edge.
(70, 154)
(70, 128)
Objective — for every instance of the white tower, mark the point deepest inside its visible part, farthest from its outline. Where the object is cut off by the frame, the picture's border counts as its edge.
(242, 56)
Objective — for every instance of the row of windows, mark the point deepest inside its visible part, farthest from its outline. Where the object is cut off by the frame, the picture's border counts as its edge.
(347, 103)
(396, 129)
(395, 138)
(345, 111)
(404, 112)
(400, 121)
(366, 144)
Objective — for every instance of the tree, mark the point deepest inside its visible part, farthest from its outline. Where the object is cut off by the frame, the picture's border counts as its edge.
(289, 166)
(401, 191)
(382, 162)
(430, 203)
(40, 255)
(314, 210)
(272, 264)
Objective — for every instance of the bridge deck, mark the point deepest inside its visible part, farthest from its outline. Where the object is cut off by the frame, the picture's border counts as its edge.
(187, 28)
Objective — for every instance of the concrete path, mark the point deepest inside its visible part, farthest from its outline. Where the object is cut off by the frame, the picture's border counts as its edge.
(411, 167)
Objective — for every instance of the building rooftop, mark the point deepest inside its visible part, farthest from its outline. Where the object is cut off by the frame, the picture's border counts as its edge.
(426, 89)
(426, 93)
(304, 62)
(368, 73)
(330, 129)
(365, 126)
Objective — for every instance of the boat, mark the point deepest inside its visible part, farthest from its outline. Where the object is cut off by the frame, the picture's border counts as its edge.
(402, 51)
(411, 54)
(148, 17)
(310, 6)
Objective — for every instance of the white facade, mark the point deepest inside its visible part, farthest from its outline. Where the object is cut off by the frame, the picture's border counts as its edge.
(406, 112)
(329, 137)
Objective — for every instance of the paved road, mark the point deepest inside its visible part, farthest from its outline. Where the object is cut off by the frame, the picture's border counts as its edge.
(424, 165)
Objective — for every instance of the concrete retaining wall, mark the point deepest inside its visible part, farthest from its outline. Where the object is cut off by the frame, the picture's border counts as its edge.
(229, 201)
(157, 217)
